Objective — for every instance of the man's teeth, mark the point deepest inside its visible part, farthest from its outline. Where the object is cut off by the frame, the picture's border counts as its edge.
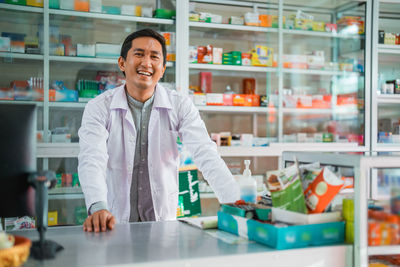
(144, 73)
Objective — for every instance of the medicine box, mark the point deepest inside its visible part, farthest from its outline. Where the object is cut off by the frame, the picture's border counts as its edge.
(282, 236)
(5, 44)
(107, 50)
(83, 50)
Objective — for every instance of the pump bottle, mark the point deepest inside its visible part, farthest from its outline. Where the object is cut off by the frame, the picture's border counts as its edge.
(248, 185)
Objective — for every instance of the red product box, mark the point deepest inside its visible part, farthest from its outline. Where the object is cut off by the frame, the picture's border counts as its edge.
(228, 99)
(347, 99)
(205, 79)
(330, 27)
(205, 54)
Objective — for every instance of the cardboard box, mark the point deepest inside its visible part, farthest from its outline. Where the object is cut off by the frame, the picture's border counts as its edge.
(282, 237)
(291, 217)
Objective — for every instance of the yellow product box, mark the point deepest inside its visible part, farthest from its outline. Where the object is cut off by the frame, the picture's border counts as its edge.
(262, 56)
(318, 26)
(194, 17)
(303, 24)
(138, 11)
(38, 3)
(275, 21)
(52, 218)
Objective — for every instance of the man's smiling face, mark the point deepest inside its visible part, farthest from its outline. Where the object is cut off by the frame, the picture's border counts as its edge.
(143, 65)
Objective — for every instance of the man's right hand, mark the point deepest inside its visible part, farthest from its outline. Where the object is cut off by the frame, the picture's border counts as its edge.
(99, 221)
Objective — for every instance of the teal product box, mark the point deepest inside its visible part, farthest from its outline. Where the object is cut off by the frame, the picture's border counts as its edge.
(261, 213)
(55, 4)
(111, 10)
(286, 237)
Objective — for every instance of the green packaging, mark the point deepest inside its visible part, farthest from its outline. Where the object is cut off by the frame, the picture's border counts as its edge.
(16, 2)
(286, 189)
(55, 4)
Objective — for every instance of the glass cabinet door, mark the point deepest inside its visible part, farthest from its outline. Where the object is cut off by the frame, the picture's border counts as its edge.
(386, 77)
(323, 60)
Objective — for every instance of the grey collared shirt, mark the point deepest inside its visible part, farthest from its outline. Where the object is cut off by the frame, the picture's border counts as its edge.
(140, 196)
(141, 199)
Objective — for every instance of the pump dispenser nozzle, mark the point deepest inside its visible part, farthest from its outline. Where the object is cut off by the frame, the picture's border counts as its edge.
(247, 172)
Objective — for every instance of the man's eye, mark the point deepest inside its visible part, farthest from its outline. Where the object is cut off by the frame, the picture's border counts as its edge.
(155, 57)
(138, 54)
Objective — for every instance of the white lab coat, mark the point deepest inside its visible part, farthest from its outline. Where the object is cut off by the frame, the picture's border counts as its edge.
(107, 141)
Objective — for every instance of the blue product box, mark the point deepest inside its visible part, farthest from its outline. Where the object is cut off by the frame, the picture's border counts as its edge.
(295, 236)
(111, 10)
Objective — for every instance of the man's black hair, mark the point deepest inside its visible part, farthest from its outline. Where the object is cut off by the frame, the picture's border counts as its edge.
(144, 33)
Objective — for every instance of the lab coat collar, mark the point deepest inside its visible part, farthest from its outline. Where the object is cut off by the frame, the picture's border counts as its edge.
(161, 99)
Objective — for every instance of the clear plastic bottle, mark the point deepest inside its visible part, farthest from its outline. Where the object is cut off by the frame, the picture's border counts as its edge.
(248, 185)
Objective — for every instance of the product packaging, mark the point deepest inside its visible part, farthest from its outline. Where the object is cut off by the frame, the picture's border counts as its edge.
(205, 79)
(251, 19)
(193, 54)
(248, 185)
(214, 99)
(262, 56)
(286, 190)
(85, 50)
(5, 44)
(236, 20)
(81, 5)
(322, 190)
(217, 55)
(107, 50)
(95, 6)
(249, 86)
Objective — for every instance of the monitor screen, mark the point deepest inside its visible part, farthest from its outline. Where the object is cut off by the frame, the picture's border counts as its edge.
(17, 158)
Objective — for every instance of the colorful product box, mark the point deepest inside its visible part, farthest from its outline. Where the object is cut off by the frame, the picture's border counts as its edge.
(262, 56)
(281, 236)
(37, 3)
(52, 218)
(214, 99)
(81, 5)
(217, 55)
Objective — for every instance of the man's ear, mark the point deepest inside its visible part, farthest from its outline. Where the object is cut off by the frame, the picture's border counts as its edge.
(121, 63)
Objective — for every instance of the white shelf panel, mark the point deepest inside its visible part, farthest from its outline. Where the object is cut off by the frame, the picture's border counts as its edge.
(110, 16)
(383, 250)
(21, 56)
(239, 151)
(323, 147)
(65, 190)
(235, 109)
(21, 8)
(96, 60)
(17, 102)
(230, 27)
(320, 72)
(57, 150)
(388, 49)
(389, 99)
(322, 111)
(391, 147)
(322, 34)
(231, 67)
(77, 105)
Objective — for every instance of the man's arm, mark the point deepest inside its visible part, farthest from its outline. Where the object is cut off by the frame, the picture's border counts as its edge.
(93, 158)
(205, 155)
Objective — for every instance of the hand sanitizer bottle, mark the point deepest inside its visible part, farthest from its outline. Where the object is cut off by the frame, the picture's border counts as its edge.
(248, 185)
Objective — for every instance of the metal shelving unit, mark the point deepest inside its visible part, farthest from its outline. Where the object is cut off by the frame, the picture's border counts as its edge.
(323, 34)
(236, 109)
(21, 56)
(320, 72)
(110, 16)
(231, 68)
(21, 8)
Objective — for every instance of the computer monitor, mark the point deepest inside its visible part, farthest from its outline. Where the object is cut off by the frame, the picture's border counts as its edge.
(17, 159)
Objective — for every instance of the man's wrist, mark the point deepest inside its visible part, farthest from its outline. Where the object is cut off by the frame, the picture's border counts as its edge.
(100, 205)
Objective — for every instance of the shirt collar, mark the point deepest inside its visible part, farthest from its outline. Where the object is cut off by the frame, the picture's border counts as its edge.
(161, 99)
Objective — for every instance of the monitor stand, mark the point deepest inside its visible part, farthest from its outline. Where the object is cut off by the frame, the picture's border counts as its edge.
(43, 249)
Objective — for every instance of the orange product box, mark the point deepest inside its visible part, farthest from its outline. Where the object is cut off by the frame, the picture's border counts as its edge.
(252, 100)
(295, 65)
(81, 5)
(238, 100)
(205, 54)
(321, 101)
(213, 99)
(265, 20)
(322, 190)
(374, 233)
(39, 93)
(346, 99)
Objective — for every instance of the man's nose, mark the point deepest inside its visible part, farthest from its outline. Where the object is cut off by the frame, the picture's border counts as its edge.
(146, 60)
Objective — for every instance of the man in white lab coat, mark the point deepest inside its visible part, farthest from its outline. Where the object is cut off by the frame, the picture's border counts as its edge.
(128, 160)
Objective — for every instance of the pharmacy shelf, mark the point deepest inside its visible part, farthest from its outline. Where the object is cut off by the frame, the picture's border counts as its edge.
(387, 147)
(231, 68)
(328, 147)
(18, 102)
(322, 34)
(21, 8)
(110, 17)
(235, 109)
(96, 60)
(21, 56)
(70, 105)
(389, 49)
(65, 190)
(230, 27)
(388, 99)
(383, 250)
(57, 150)
(322, 111)
(320, 72)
